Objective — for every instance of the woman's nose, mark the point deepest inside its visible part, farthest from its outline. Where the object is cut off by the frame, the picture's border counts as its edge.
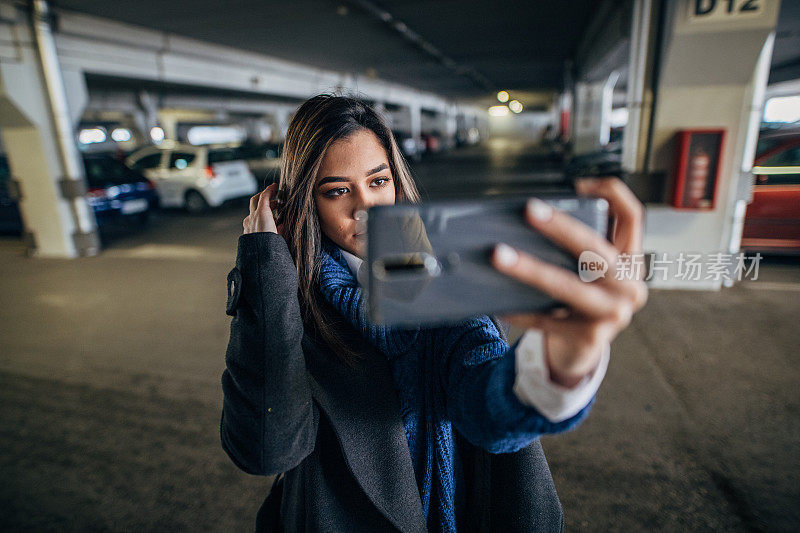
(363, 203)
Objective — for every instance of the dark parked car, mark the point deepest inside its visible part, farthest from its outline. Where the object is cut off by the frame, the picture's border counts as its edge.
(264, 160)
(116, 193)
(433, 142)
(602, 163)
(10, 223)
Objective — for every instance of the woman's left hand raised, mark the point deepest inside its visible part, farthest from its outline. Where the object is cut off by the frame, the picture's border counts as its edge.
(597, 310)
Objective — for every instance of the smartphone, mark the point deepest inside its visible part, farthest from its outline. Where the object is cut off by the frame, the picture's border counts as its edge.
(429, 264)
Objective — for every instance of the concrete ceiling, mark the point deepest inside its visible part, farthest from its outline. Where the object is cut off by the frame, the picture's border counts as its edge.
(462, 49)
(465, 49)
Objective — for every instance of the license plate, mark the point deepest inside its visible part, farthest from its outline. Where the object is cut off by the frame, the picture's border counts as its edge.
(134, 206)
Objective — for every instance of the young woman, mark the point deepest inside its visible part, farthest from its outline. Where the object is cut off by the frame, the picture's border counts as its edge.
(374, 428)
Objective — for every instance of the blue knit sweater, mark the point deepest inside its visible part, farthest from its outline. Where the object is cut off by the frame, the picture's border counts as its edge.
(447, 378)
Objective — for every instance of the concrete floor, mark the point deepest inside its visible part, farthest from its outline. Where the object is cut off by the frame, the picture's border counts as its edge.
(110, 393)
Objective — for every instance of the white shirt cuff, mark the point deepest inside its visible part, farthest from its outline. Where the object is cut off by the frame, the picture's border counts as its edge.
(533, 386)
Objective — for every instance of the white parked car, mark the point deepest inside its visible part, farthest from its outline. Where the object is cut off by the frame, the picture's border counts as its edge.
(194, 177)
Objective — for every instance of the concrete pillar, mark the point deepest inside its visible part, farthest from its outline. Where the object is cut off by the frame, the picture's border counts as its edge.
(639, 94)
(450, 126)
(169, 123)
(415, 121)
(482, 125)
(38, 133)
(283, 116)
(461, 126)
(147, 119)
(380, 108)
(593, 114)
(77, 94)
(714, 61)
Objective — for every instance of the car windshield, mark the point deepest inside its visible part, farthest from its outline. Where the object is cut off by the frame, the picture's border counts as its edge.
(105, 171)
(765, 145)
(789, 157)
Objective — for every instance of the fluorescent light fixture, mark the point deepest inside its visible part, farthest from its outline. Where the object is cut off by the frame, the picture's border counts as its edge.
(782, 109)
(121, 135)
(91, 135)
(498, 111)
(215, 134)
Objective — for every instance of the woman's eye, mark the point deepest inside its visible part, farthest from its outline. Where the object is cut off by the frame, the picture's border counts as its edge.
(380, 182)
(336, 192)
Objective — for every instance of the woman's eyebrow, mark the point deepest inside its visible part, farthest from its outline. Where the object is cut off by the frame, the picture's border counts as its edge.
(382, 166)
(332, 179)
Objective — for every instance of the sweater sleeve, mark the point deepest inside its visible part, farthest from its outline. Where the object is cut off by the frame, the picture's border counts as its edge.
(269, 421)
(477, 373)
(534, 387)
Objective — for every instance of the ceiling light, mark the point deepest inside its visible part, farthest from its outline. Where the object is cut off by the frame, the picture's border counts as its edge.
(502, 96)
(515, 106)
(498, 110)
(157, 134)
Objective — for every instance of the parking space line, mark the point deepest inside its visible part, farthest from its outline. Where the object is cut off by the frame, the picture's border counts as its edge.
(772, 285)
(171, 251)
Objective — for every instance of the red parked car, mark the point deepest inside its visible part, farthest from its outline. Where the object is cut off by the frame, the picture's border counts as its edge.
(772, 222)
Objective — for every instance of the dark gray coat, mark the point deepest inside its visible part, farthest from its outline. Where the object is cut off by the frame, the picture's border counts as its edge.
(291, 406)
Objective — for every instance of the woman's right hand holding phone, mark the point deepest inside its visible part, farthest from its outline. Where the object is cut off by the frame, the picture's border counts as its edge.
(597, 311)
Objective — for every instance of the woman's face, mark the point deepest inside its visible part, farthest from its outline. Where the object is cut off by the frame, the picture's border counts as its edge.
(354, 175)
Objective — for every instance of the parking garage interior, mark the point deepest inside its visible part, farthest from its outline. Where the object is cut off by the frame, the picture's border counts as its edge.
(114, 331)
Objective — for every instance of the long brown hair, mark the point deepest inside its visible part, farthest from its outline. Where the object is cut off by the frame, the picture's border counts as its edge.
(316, 125)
